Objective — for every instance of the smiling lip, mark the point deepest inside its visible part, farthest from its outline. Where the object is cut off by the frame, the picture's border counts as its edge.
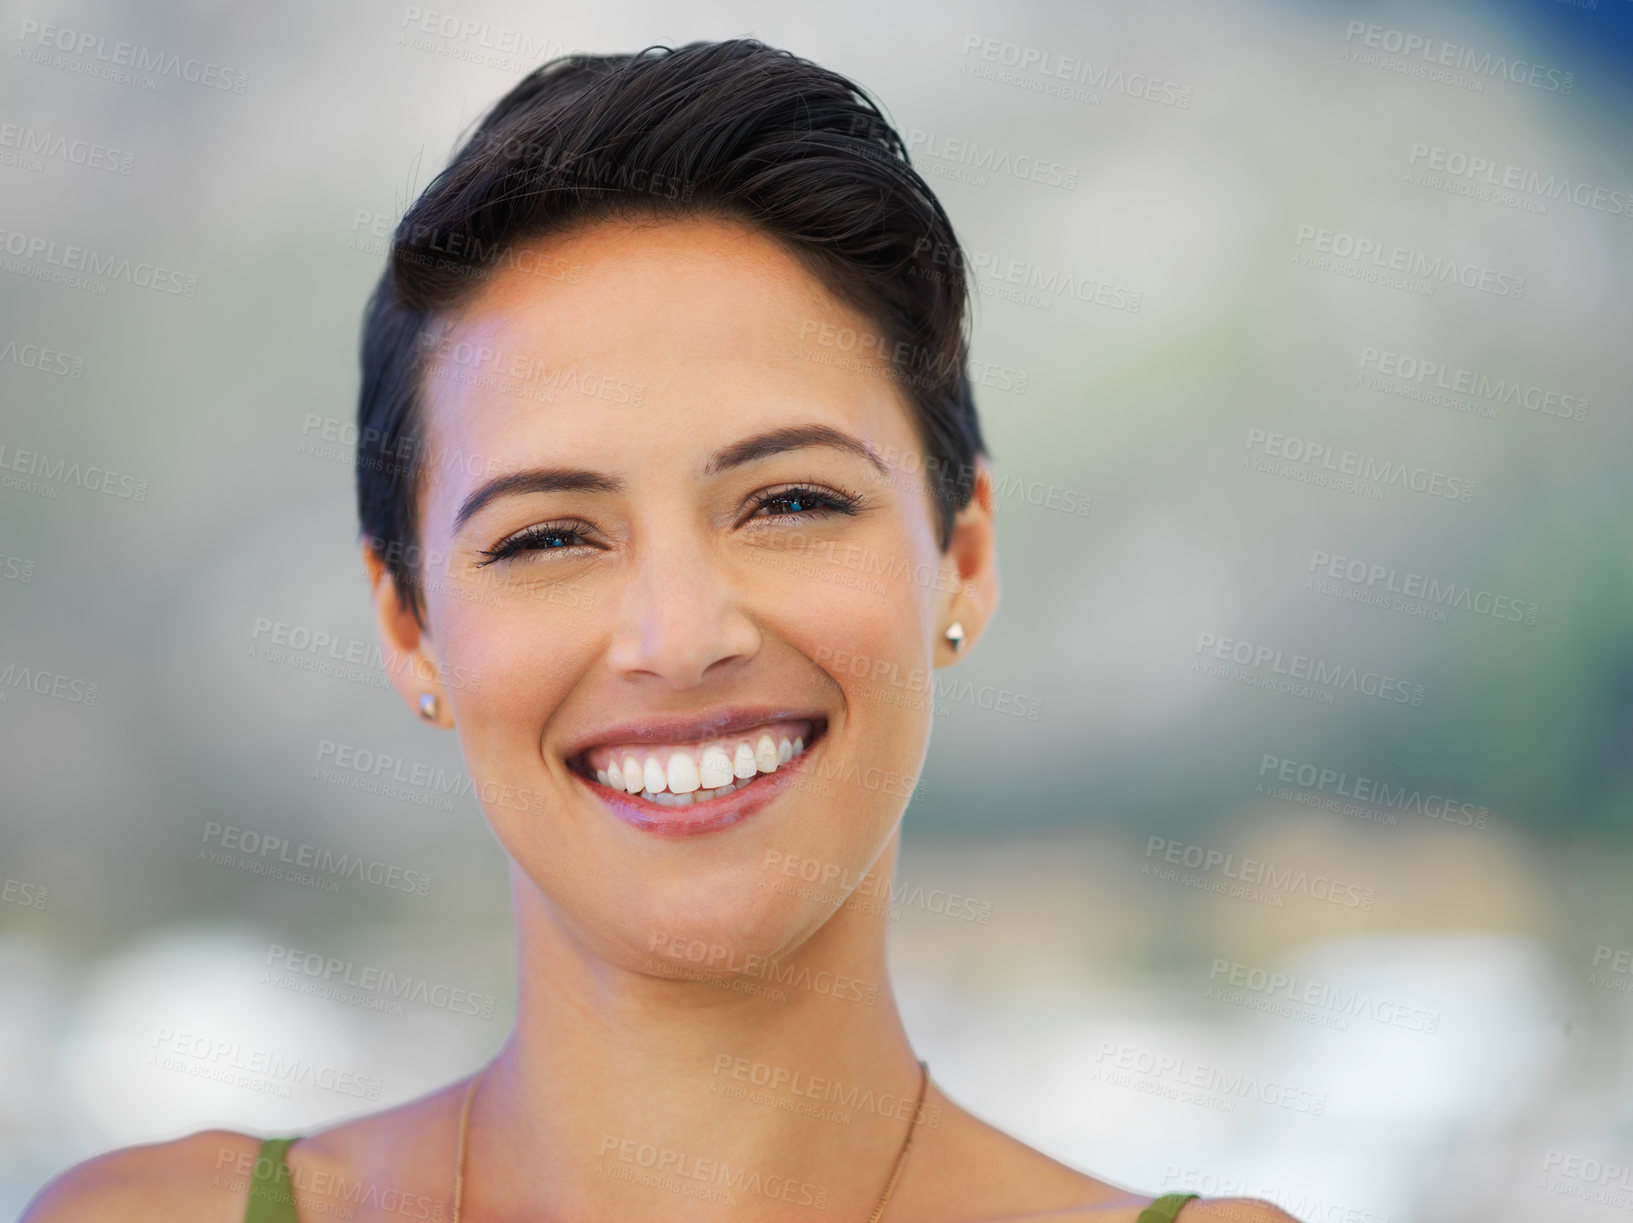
(660, 730)
(699, 817)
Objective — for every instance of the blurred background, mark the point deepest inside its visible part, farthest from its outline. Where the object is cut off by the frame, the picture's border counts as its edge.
(1302, 345)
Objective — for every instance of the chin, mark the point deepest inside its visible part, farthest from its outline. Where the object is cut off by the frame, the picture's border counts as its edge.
(680, 910)
(724, 922)
(715, 888)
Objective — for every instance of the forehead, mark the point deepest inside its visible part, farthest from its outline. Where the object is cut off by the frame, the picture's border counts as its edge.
(625, 340)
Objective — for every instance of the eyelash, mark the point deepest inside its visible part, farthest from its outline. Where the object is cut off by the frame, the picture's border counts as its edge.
(529, 540)
(831, 498)
(822, 500)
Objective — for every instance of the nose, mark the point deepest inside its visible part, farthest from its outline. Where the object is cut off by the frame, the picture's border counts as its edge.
(679, 617)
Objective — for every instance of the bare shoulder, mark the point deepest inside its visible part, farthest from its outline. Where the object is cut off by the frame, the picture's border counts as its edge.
(1128, 1210)
(1234, 1210)
(396, 1155)
(198, 1177)
(964, 1169)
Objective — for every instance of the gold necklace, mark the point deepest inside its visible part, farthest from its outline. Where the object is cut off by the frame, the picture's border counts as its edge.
(890, 1185)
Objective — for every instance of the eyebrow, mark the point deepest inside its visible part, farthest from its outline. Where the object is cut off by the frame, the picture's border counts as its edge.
(792, 437)
(536, 480)
(749, 450)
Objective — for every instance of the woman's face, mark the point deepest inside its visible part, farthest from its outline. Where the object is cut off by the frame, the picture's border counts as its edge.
(674, 515)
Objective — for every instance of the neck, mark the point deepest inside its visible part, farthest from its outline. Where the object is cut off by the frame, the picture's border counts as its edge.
(622, 1094)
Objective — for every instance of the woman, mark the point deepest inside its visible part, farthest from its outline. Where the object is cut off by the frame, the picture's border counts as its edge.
(673, 494)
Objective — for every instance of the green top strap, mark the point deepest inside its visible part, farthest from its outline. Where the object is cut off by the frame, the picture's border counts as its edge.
(1166, 1208)
(272, 1201)
(270, 1198)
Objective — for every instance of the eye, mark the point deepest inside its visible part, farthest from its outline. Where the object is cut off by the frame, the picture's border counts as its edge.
(804, 501)
(542, 537)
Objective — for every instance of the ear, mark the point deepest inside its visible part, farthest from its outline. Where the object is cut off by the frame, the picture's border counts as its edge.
(410, 658)
(972, 554)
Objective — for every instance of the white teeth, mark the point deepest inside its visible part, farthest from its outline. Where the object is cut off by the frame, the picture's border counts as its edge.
(765, 755)
(714, 769)
(682, 773)
(653, 775)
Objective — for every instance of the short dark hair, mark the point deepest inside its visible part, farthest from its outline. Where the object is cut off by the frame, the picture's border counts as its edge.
(734, 129)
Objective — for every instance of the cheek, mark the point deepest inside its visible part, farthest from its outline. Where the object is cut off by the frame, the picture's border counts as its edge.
(530, 654)
(867, 633)
(511, 667)
(872, 653)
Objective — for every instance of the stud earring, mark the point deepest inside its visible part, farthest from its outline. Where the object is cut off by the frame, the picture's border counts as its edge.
(955, 635)
(428, 706)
